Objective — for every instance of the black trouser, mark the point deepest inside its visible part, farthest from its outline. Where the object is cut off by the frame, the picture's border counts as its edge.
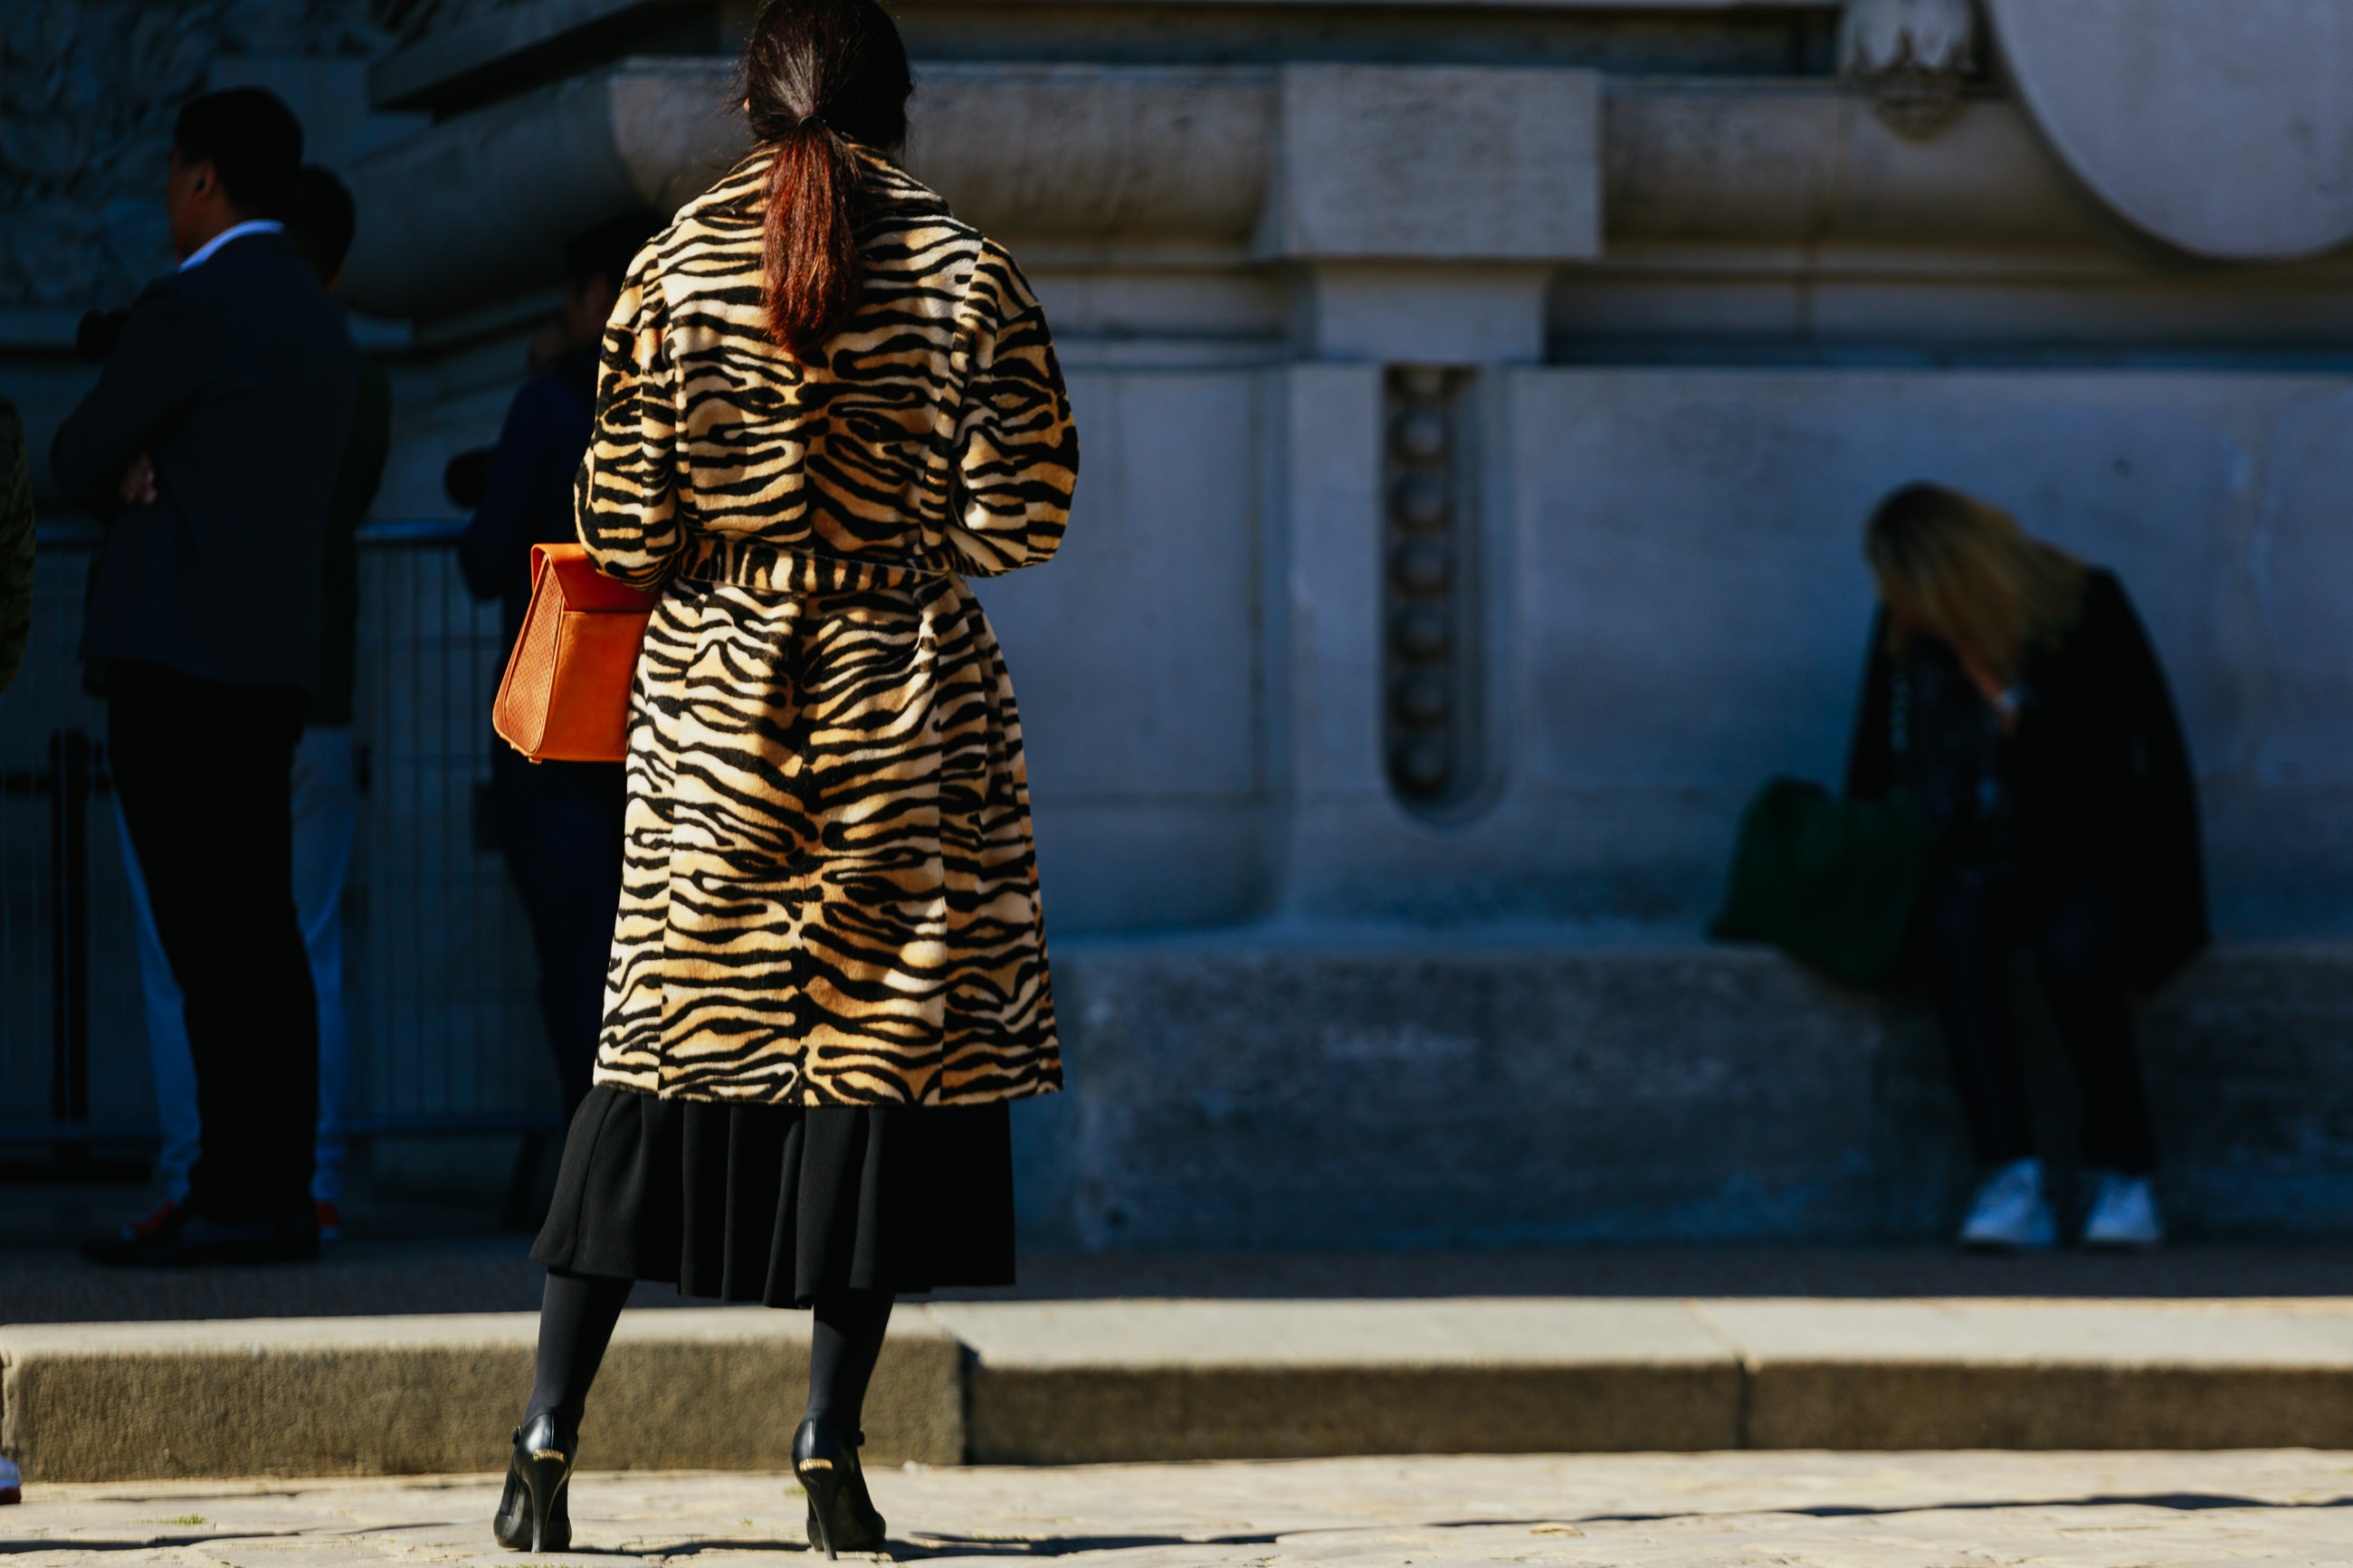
(205, 773)
(560, 825)
(2072, 932)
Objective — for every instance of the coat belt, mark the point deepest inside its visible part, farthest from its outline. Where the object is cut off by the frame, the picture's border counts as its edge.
(767, 569)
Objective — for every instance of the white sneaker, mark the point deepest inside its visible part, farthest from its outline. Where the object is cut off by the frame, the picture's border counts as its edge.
(2011, 1212)
(2123, 1214)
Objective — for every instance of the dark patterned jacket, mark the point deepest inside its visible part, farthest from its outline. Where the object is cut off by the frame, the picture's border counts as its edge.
(2102, 790)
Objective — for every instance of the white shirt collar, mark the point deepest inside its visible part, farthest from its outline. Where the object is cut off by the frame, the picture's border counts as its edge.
(257, 225)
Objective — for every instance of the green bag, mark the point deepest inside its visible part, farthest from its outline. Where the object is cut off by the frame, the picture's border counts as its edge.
(1832, 883)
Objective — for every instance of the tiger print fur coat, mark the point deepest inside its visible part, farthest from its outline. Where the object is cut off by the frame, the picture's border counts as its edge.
(829, 894)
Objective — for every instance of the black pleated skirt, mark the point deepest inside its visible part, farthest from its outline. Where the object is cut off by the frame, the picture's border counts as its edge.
(776, 1202)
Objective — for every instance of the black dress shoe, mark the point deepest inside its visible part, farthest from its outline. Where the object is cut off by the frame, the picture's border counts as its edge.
(534, 1511)
(190, 1239)
(841, 1516)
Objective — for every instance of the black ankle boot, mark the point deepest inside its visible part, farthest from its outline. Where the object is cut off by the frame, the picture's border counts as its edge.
(841, 1517)
(534, 1513)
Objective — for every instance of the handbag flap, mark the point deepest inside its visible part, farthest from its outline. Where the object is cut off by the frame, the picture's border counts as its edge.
(579, 586)
(519, 712)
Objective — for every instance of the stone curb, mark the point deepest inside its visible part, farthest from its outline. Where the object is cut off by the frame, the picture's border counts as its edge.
(1072, 1383)
(1063, 1382)
(2042, 1374)
(682, 1389)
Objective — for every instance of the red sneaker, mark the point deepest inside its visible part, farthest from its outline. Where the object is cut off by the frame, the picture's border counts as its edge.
(147, 1227)
(330, 1224)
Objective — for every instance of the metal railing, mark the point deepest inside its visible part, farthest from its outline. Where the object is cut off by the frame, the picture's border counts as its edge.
(446, 1034)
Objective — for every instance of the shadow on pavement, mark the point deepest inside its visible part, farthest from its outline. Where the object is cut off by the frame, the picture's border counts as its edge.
(2178, 1502)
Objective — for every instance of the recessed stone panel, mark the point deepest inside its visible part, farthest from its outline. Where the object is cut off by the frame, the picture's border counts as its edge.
(1453, 162)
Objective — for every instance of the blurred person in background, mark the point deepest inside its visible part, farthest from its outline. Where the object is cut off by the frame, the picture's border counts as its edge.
(2012, 695)
(559, 824)
(15, 544)
(210, 446)
(321, 222)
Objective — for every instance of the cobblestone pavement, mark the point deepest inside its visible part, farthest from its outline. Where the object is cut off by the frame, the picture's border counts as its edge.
(1643, 1510)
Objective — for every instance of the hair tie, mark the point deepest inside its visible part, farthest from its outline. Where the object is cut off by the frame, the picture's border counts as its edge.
(807, 120)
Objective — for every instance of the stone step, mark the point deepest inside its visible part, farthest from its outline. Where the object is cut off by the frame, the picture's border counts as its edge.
(1030, 1382)
(683, 1388)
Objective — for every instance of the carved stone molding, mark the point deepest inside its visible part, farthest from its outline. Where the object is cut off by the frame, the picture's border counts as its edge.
(1915, 55)
(470, 210)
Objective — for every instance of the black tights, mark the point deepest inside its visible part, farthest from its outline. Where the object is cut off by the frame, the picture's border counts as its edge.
(575, 1323)
(846, 1338)
(576, 1315)
(2072, 932)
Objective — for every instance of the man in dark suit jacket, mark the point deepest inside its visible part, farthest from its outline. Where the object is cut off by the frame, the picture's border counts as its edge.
(212, 439)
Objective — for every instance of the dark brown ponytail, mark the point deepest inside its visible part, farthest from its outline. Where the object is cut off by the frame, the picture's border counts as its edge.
(817, 75)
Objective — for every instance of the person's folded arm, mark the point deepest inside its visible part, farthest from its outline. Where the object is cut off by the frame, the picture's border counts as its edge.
(1016, 450)
(625, 493)
(157, 369)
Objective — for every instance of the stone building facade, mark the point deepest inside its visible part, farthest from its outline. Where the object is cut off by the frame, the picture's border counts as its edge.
(1480, 402)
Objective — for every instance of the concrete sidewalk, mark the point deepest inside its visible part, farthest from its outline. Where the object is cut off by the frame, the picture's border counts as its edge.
(1150, 1380)
(2272, 1510)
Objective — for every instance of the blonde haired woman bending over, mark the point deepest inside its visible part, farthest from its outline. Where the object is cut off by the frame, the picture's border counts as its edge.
(2012, 694)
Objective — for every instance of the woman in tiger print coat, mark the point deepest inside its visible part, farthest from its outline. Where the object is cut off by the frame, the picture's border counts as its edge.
(823, 404)
(830, 896)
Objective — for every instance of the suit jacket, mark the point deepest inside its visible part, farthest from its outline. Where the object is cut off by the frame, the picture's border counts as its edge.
(236, 376)
(2100, 771)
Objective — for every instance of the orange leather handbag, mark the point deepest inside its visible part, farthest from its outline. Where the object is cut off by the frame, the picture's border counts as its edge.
(565, 695)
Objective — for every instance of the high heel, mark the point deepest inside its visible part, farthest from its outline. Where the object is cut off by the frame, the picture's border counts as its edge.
(534, 1511)
(841, 1516)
